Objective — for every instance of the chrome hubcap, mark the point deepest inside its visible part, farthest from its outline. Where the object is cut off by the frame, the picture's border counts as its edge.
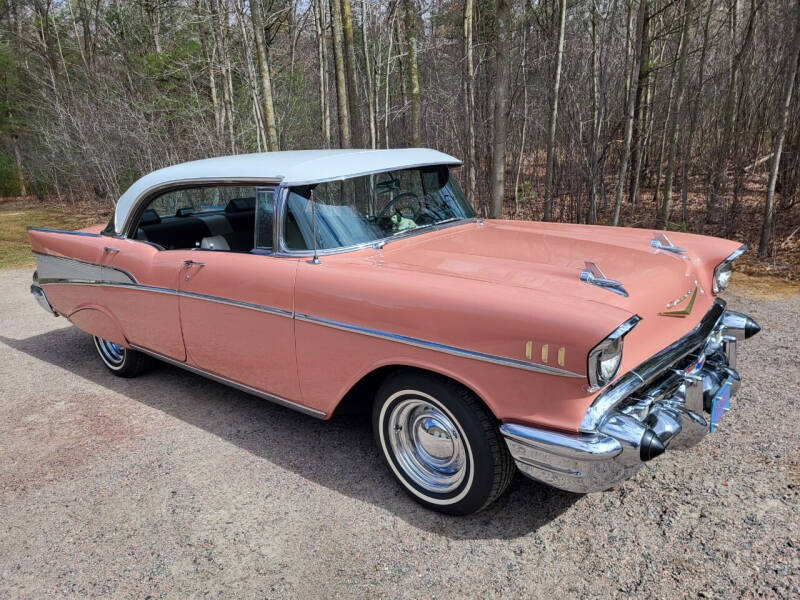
(112, 353)
(427, 445)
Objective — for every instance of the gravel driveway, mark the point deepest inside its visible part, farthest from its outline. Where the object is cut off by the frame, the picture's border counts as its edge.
(174, 486)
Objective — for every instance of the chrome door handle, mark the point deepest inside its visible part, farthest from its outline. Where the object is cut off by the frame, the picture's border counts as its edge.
(109, 249)
(188, 264)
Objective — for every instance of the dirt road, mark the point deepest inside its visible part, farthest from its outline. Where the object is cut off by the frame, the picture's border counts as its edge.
(170, 485)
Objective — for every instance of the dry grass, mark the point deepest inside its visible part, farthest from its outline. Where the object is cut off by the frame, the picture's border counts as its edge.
(17, 214)
(764, 286)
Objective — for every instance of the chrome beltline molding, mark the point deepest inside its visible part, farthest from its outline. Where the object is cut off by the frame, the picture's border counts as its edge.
(460, 352)
(67, 231)
(281, 312)
(234, 384)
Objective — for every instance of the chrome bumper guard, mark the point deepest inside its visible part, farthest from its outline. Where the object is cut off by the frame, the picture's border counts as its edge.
(663, 403)
(38, 294)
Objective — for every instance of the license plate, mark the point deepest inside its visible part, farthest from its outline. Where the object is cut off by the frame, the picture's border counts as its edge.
(721, 403)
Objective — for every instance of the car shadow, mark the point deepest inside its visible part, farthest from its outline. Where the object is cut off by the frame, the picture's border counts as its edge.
(339, 454)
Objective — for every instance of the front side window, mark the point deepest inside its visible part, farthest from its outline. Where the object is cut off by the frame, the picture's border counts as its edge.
(373, 207)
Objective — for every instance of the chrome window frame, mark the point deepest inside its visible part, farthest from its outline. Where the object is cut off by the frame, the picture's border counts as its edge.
(152, 193)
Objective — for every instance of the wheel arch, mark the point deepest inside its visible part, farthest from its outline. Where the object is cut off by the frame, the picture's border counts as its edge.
(361, 392)
(99, 322)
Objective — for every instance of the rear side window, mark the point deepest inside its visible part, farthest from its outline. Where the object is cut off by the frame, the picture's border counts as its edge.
(219, 218)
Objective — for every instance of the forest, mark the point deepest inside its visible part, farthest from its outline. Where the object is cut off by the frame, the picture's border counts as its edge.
(676, 114)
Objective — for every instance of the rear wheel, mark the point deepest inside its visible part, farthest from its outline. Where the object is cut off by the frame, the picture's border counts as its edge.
(122, 361)
(441, 443)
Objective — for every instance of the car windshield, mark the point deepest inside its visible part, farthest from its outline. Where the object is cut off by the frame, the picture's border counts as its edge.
(373, 207)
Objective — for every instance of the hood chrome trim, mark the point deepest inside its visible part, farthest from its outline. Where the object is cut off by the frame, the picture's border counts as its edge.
(594, 276)
(661, 242)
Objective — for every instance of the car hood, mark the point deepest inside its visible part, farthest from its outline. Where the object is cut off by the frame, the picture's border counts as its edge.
(547, 258)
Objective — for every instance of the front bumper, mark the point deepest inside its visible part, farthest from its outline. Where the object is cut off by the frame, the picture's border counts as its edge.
(664, 403)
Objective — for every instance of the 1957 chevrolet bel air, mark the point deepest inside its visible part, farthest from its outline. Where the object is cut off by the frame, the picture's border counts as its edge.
(576, 353)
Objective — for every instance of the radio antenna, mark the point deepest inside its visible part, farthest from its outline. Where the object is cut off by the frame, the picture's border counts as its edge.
(315, 260)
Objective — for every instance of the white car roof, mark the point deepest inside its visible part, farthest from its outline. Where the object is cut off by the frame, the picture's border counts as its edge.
(296, 167)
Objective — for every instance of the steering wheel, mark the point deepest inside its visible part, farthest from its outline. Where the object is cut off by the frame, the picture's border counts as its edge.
(412, 202)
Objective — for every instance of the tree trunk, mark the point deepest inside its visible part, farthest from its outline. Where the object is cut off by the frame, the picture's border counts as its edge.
(642, 75)
(551, 136)
(719, 176)
(264, 79)
(668, 118)
(227, 85)
(596, 121)
(356, 130)
(687, 149)
(767, 230)
(209, 57)
(501, 84)
(469, 93)
(341, 82)
(676, 112)
(629, 116)
(410, 21)
(322, 58)
(368, 70)
(523, 53)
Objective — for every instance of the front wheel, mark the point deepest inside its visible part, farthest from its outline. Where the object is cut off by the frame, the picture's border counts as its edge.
(441, 443)
(121, 361)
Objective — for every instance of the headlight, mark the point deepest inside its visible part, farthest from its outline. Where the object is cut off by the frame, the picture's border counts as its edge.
(722, 273)
(604, 359)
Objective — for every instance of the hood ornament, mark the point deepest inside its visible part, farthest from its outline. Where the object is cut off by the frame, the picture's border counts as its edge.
(661, 242)
(594, 276)
(681, 314)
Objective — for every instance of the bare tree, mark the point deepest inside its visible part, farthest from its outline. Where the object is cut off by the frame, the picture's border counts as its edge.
(410, 22)
(501, 85)
(264, 79)
(352, 85)
(793, 56)
(370, 76)
(551, 139)
(322, 58)
(719, 176)
(469, 93)
(676, 111)
(635, 55)
(341, 81)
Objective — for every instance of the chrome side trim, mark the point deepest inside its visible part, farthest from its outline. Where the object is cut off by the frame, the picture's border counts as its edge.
(427, 345)
(96, 278)
(238, 303)
(159, 290)
(651, 368)
(67, 231)
(51, 267)
(234, 384)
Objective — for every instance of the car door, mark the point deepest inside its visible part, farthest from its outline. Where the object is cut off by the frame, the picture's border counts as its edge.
(147, 307)
(236, 310)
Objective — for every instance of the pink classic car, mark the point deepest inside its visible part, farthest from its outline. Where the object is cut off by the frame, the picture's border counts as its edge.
(575, 353)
